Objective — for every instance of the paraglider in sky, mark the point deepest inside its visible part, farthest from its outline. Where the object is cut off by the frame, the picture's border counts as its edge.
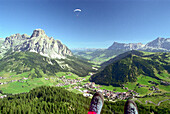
(77, 11)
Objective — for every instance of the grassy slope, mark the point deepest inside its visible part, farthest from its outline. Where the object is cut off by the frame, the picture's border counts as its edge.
(26, 85)
(40, 66)
(130, 66)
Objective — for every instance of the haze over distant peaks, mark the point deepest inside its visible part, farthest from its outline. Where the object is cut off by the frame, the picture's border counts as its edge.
(124, 46)
(159, 44)
(39, 42)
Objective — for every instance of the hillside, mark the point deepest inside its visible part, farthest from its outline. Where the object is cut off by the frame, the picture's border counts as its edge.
(60, 101)
(120, 56)
(131, 65)
(39, 66)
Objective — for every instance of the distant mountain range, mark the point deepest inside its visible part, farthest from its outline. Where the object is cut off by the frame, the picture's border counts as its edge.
(38, 42)
(159, 44)
(86, 49)
(124, 46)
(103, 55)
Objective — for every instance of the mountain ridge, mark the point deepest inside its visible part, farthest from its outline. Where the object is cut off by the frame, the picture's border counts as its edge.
(129, 46)
(163, 43)
(120, 56)
(38, 42)
(159, 44)
(102, 55)
(130, 65)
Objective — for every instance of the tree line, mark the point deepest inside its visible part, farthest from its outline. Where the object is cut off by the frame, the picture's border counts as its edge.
(43, 100)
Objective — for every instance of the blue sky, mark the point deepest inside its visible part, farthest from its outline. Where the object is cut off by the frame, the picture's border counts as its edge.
(99, 24)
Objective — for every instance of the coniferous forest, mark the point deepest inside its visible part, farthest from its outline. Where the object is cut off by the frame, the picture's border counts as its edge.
(56, 100)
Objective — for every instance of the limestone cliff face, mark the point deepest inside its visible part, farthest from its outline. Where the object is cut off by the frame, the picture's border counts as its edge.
(14, 40)
(159, 43)
(124, 46)
(40, 43)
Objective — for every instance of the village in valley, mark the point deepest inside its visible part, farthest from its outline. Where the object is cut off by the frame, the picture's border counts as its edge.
(80, 85)
(89, 88)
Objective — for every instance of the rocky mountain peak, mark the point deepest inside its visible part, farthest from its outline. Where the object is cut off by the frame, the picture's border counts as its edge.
(38, 32)
(15, 39)
(159, 39)
(25, 36)
(40, 43)
(159, 44)
(163, 43)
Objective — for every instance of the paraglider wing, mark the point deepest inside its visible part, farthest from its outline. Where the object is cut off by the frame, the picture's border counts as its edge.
(77, 11)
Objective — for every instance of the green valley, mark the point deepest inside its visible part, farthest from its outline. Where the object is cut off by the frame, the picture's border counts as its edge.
(21, 72)
(98, 56)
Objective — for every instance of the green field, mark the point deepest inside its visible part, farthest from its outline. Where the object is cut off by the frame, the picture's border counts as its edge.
(156, 99)
(67, 75)
(164, 76)
(15, 87)
(144, 80)
(24, 85)
(27, 85)
(112, 88)
(130, 85)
